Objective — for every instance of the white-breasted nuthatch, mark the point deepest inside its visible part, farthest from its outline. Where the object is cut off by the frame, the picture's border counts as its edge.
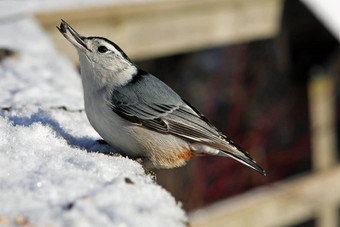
(138, 114)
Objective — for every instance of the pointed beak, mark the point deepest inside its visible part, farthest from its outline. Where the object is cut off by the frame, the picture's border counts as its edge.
(77, 40)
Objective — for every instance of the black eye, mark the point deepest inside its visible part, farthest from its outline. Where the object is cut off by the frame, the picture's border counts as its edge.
(102, 49)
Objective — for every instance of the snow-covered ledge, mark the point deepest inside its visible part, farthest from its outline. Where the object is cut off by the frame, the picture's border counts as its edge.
(52, 172)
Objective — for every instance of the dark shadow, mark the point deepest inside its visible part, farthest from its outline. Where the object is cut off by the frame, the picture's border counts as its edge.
(307, 223)
(85, 143)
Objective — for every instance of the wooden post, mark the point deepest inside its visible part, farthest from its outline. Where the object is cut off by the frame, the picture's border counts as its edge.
(322, 116)
(323, 138)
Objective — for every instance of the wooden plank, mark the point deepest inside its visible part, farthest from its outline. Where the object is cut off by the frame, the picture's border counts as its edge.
(154, 29)
(282, 204)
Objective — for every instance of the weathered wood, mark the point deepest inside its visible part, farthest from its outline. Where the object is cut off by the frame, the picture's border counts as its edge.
(281, 204)
(160, 28)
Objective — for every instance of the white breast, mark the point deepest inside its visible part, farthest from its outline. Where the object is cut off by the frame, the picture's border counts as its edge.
(110, 126)
(163, 151)
(114, 130)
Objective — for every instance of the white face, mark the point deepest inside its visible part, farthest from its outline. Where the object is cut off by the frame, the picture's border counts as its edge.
(104, 55)
(101, 61)
(109, 64)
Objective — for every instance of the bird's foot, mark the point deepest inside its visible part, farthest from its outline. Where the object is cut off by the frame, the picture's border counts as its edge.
(147, 171)
(102, 142)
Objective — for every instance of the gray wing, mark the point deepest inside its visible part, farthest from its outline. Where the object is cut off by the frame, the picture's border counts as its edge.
(149, 102)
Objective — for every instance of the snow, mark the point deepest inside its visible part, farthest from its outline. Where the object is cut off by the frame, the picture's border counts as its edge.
(53, 173)
(39, 69)
(328, 13)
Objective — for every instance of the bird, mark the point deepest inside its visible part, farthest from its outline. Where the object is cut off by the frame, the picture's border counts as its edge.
(139, 115)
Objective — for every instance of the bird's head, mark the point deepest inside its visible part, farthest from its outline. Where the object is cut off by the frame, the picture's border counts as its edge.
(101, 56)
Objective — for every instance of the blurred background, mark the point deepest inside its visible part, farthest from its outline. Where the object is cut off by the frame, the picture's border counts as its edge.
(265, 72)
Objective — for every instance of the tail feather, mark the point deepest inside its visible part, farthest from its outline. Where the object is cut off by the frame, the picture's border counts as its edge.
(234, 151)
(244, 159)
(228, 150)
